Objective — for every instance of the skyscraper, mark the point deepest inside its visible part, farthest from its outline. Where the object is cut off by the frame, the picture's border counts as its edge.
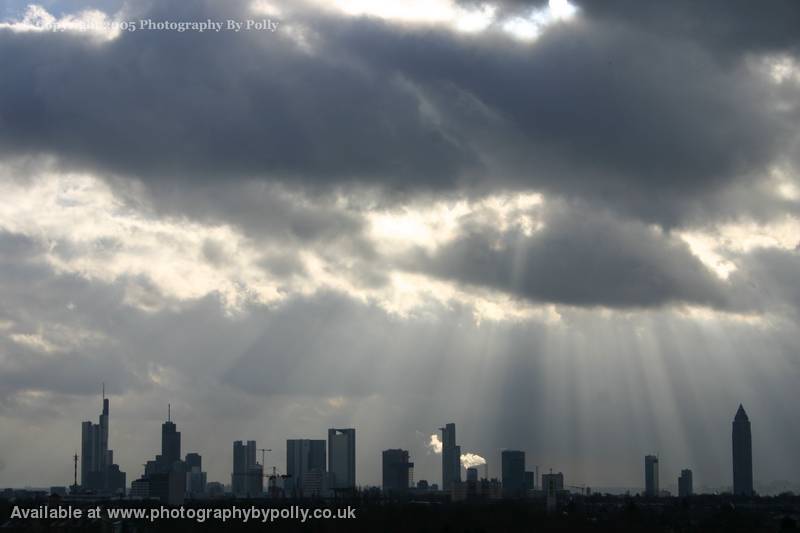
(170, 442)
(451, 457)
(685, 483)
(396, 468)
(513, 470)
(195, 477)
(98, 471)
(742, 454)
(193, 460)
(304, 456)
(651, 475)
(342, 457)
(553, 482)
(530, 480)
(247, 478)
(165, 476)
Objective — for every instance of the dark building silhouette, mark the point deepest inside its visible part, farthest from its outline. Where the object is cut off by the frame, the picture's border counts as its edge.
(98, 471)
(305, 461)
(742, 454)
(215, 489)
(530, 480)
(170, 441)
(195, 477)
(685, 483)
(553, 482)
(472, 484)
(651, 475)
(192, 460)
(396, 471)
(513, 472)
(342, 458)
(451, 457)
(247, 479)
(140, 488)
(152, 466)
(169, 487)
(165, 476)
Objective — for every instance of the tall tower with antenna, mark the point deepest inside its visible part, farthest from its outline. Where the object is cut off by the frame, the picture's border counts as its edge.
(98, 471)
(170, 441)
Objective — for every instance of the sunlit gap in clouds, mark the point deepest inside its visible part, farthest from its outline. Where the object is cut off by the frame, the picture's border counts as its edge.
(449, 13)
(432, 225)
(85, 229)
(529, 27)
(717, 247)
(102, 27)
(92, 23)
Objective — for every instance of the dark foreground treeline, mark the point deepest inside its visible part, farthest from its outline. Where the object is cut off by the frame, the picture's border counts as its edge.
(594, 513)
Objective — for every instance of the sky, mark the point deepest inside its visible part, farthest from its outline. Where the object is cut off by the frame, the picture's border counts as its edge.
(570, 228)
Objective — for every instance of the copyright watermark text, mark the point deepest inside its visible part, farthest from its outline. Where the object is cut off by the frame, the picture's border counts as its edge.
(201, 26)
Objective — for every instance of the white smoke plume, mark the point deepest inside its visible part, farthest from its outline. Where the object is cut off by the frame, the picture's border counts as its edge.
(468, 460)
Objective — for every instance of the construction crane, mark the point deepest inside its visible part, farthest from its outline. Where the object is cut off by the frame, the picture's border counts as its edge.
(273, 480)
(263, 452)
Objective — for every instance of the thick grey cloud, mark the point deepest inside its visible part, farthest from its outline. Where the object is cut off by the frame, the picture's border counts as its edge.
(582, 258)
(213, 106)
(601, 108)
(729, 27)
(262, 210)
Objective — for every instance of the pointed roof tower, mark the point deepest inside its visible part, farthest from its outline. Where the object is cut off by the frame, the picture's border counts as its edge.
(741, 414)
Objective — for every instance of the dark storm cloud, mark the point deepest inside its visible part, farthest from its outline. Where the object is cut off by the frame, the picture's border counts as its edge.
(620, 115)
(599, 108)
(212, 106)
(728, 26)
(579, 258)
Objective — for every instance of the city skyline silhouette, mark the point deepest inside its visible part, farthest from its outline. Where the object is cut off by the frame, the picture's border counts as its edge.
(306, 464)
